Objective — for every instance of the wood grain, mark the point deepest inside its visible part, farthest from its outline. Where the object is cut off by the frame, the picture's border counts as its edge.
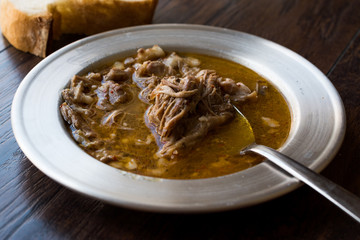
(346, 78)
(310, 28)
(327, 33)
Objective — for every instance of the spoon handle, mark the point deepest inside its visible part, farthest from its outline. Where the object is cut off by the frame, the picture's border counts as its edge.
(342, 198)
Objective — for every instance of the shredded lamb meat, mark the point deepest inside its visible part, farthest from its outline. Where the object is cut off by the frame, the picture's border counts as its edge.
(186, 102)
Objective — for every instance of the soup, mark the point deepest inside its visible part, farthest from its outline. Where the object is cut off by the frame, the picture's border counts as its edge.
(169, 115)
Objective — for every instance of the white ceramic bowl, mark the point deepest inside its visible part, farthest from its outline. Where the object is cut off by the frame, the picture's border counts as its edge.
(317, 131)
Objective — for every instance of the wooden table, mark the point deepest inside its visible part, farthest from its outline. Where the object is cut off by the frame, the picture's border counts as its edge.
(326, 32)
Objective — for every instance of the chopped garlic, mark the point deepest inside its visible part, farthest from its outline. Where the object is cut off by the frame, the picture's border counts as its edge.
(131, 165)
(270, 122)
(157, 171)
(119, 65)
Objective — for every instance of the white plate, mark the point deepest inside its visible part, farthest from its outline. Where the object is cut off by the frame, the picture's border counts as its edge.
(318, 120)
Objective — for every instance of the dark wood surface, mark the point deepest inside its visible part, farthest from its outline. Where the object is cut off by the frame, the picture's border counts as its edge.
(326, 32)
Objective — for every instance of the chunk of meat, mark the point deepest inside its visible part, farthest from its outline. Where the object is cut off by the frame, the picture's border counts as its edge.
(90, 80)
(179, 65)
(118, 75)
(70, 116)
(149, 54)
(238, 91)
(80, 87)
(83, 134)
(110, 94)
(156, 68)
(168, 109)
(173, 61)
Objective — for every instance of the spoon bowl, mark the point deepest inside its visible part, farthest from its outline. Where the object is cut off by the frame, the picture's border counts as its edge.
(342, 198)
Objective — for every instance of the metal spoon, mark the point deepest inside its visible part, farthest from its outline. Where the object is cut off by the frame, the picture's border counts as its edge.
(342, 198)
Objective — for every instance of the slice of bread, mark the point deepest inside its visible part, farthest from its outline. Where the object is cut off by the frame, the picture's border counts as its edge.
(29, 25)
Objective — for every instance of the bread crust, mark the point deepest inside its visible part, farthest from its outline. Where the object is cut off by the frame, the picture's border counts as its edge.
(29, 33)
(95, 16)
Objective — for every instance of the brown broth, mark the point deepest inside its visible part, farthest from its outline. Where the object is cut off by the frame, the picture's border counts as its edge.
(218, 154)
